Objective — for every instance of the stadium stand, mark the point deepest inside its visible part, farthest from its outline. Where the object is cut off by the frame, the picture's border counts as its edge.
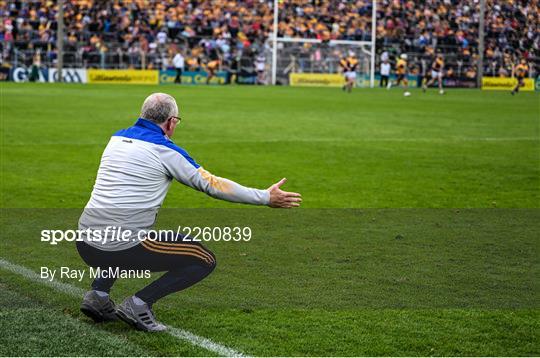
(147, 33)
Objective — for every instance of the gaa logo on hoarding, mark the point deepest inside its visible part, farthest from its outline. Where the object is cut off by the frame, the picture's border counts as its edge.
(69, 75)
(21, 74)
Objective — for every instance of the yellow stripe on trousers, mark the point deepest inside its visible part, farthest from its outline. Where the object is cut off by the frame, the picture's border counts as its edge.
(174, 245)
(191, 251)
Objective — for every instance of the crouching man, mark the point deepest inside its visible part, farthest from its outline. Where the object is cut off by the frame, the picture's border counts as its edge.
(133, 178)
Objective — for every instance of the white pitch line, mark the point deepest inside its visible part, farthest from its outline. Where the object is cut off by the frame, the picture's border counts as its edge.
(79, 292)
(32, 276)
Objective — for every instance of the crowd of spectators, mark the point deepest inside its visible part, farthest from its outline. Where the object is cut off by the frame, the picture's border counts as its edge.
(115, 33)
(450, 27)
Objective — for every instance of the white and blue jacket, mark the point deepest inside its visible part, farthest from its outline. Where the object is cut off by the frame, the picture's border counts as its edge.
(136, 170)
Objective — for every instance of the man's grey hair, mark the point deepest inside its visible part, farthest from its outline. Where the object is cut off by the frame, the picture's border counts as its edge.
(158, 107)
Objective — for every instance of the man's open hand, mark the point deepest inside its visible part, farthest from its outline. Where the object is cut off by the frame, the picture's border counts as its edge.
(283, 199)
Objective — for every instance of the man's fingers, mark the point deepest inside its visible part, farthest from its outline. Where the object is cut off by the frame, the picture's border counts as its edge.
(288, 204)
(291, 194)
(292, 202)
(283, 199)
(281, 182)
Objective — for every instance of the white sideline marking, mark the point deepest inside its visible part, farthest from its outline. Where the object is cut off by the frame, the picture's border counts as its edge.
(79, 292)
(32, 276)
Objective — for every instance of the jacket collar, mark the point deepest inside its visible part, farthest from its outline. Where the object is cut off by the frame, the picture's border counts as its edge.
(145, 123)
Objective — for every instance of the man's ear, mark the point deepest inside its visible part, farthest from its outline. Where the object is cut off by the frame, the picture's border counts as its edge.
(168, 124)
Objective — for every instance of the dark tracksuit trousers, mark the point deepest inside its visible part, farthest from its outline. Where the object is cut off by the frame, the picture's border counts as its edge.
(185, 263)
(384, 81)
(178, 78)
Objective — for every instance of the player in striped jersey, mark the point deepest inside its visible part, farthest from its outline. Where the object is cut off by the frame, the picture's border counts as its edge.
(520, 72)
(402, 71)
(211, 68)
(350, 74)
(437, 69)
(344, 67)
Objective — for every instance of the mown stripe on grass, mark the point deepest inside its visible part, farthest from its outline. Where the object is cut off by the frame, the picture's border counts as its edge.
(78, 292)
(355, 140)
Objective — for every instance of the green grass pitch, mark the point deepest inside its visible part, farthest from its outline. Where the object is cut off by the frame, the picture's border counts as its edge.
(418, 233)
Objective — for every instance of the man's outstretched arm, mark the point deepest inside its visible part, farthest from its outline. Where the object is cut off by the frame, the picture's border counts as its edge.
(184, 169)
(225, 189)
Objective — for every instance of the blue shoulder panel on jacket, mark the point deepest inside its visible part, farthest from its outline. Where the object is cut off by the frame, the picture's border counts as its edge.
(150, 132)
